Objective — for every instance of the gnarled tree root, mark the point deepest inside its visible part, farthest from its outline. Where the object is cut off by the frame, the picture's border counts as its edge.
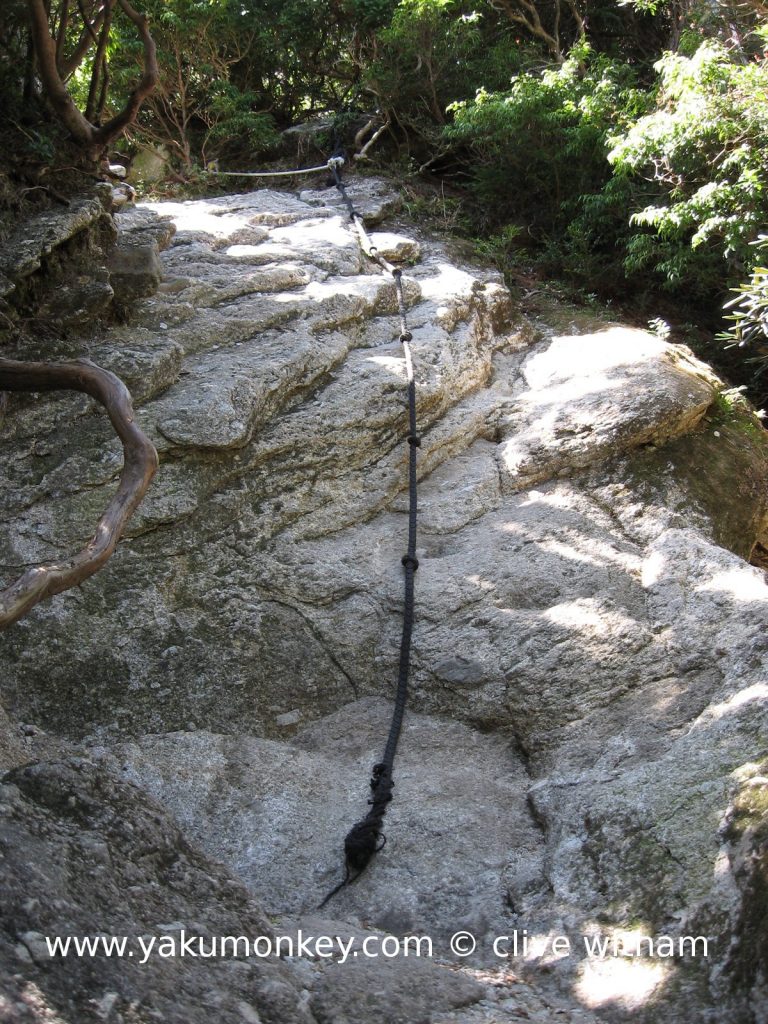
(139, 466)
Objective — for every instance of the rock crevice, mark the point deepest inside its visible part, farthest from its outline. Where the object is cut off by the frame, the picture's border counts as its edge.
(588, 695)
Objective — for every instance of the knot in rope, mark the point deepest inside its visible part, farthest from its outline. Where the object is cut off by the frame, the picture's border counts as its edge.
(362, 840)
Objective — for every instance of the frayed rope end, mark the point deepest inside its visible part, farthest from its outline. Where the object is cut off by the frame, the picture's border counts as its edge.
(362, 840)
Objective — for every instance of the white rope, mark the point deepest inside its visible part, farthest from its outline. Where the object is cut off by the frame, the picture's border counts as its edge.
(335, 161)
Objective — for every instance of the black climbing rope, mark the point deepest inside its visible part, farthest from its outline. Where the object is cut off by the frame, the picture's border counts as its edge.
(366, 837)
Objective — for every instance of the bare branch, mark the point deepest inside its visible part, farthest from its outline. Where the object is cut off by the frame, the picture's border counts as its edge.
(525, 13)
(434, 159)
(367, 127)
(61, 34)
(139, 466)
(363, 154)
(104, 89)
(88, 35)
(577, 17)
(99, 64)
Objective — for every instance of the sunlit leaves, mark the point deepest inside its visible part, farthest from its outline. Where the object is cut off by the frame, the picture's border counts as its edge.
(748, 311)
(703, 147)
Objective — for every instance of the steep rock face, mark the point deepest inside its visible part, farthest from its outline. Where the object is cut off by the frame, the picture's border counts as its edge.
(588, 687)
(64, 267)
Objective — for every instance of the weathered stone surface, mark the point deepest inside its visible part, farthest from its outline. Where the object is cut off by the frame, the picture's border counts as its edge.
(150, 164)
(591, 395)
(587, 691)
(288, 844)
(714, 476)
(396, 248)
(135, 271)
(54, 266)
(12, 751)
(122, 194)
(411, 993)
(373, 199)
(137, 223)
(23, 254)
(107, 861)
(78, 300)
(86, 855)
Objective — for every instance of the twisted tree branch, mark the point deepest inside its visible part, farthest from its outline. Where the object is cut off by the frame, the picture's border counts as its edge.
(93, 137)
(146, 85)
(139, 466)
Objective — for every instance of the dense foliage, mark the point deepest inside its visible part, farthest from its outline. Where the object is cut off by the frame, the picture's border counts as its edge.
(617, 146)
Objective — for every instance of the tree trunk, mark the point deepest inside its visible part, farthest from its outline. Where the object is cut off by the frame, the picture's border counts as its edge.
(93, 139)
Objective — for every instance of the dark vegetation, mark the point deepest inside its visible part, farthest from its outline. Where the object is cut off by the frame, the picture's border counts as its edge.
(617, 147)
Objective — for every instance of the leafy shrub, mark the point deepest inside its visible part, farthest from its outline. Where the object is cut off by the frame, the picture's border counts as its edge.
(431, 54)
(749, 317)
(233, 126)
(540, 146)
(701, 156)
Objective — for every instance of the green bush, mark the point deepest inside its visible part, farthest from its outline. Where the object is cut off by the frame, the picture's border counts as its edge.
(233, 126)
(700, 157)
(539, 147)
(748, 318)
(430, 54)
(616, 185)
